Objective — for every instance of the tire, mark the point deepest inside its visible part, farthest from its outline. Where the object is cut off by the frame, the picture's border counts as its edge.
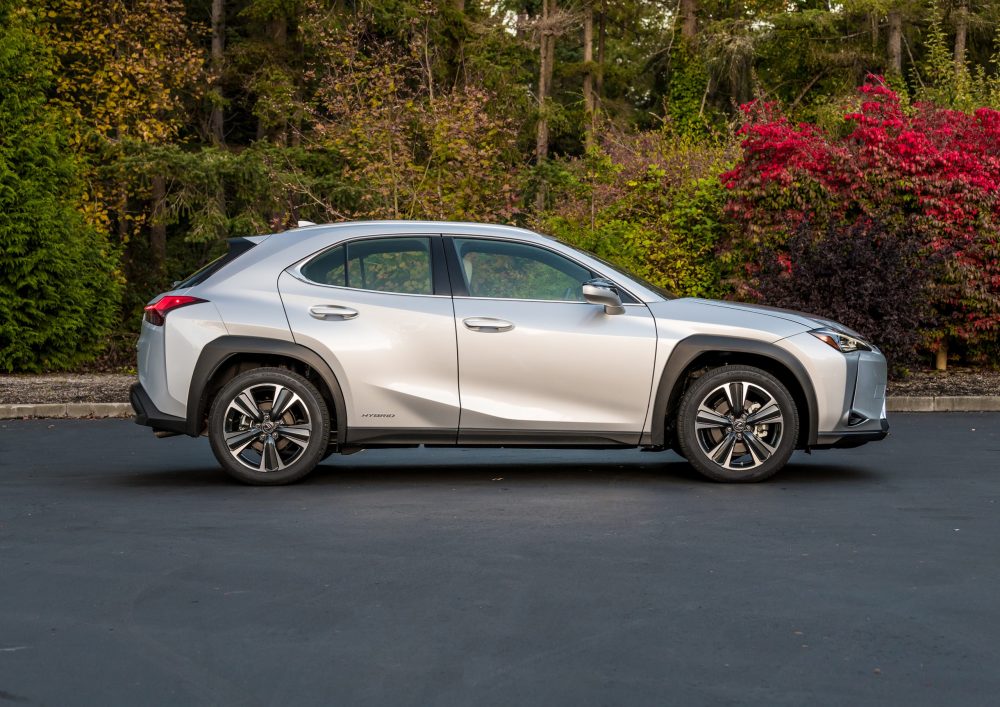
(740, 442)
(260, 450)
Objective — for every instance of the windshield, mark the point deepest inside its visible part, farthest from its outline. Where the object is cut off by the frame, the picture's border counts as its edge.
(661, 291)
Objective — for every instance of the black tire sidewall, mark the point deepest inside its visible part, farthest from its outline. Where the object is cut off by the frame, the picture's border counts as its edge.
(687, 437)
(318, 412)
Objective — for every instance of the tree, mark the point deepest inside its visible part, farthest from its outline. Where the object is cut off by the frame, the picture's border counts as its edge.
(689, 19)
(401, 153)
(59, 287)
(128, 73)
(216, 120)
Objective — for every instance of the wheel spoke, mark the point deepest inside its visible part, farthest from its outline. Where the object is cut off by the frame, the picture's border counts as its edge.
(710, 419)
(723, 451)
(238, 441)
(246, 405)
(768, 414)
(759, 449)
(297, 434)
(283, 399)
(735, 393)
(270, 460)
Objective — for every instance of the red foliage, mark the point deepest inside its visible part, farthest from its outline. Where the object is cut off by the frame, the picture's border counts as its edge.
(932, 167)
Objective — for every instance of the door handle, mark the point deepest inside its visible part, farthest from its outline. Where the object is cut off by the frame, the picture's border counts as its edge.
(332, 311)
(487, 324)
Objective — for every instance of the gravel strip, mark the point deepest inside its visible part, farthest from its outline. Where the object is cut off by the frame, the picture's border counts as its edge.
(955, 381)
(65, 388)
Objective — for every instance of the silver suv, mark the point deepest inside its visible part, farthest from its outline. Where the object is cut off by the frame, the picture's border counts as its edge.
(338, 338)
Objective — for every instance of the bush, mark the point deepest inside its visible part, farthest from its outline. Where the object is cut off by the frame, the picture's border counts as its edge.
(648, 202)
(875, 279)
(925, 167)
(58, 285)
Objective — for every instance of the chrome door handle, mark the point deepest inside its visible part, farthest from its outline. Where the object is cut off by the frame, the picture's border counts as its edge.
(487, 324)
(332, 311)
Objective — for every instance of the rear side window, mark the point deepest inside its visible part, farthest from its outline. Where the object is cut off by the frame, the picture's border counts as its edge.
(398, 265)
(237, 247)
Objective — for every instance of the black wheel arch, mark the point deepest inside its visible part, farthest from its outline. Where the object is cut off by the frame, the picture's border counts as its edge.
(708, 351)
(226, 350)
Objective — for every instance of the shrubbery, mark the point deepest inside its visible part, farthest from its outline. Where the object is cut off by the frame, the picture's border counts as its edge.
(650, 202)
(927, 175)
(58, 287)
(873, 277)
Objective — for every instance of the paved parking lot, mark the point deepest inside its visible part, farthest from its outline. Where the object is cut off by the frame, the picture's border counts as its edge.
(133, 572)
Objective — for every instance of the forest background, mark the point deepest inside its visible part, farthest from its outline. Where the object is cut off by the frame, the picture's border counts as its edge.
(835, 157)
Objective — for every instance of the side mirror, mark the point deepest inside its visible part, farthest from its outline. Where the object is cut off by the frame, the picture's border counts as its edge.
(601, 291)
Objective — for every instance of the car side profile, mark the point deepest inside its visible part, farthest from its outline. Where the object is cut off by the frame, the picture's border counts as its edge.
(337, 338)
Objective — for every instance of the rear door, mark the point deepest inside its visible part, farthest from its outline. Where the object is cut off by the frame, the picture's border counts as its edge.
(379, 311)
(538, 364)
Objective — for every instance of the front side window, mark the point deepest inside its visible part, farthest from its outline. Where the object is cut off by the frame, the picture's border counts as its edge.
(399, 265)
(507, 270)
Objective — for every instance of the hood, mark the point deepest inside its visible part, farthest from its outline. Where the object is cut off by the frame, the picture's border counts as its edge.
(809, 321)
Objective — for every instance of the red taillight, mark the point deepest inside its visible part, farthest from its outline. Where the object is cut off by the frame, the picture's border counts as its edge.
(156, 313)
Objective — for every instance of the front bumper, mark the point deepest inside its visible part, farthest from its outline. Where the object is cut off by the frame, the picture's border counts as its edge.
(147, 414)
(851, 438)
(863, 418)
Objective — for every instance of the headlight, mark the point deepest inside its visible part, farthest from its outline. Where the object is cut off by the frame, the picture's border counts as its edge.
(841, 341)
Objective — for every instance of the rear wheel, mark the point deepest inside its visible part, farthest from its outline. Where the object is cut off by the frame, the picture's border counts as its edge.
(737, 423)
(268, 426)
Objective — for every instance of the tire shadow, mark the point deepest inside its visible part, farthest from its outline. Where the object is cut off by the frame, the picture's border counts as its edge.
(452, 469)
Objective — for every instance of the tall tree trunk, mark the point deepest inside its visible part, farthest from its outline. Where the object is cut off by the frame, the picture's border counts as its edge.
(216, 119)
(589, 102)
(458, 46)
(961, 33)
(157, 228)
(546, 54)
(601, 35)
(689, 19)
(546, 57)
(895, 43)
(276, 34)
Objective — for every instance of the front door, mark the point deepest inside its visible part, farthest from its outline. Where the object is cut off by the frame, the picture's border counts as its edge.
(375, 310)
(537, 364)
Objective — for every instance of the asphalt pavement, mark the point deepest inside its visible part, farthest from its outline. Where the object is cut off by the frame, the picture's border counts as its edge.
(133, 572)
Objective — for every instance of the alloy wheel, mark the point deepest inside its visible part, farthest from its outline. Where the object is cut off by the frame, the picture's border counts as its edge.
(267, 427)
(739, 425)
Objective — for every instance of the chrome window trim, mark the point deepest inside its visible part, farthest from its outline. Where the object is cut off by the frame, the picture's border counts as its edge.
(295, 269)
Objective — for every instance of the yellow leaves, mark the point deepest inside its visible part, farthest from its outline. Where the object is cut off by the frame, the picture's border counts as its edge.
(127, 66)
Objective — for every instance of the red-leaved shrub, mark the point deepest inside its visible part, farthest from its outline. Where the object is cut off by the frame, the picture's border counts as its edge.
(915, 170)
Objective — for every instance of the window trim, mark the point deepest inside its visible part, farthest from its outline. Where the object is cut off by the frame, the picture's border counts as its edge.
(440, 283)
(459, 289)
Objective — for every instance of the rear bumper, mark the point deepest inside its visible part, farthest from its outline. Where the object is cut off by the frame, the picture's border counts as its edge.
(147, 414)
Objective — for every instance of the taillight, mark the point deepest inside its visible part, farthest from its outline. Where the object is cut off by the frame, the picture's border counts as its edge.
(156, 313)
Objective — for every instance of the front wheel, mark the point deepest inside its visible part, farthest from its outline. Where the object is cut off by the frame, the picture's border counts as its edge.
(737, 423)
(268, 426)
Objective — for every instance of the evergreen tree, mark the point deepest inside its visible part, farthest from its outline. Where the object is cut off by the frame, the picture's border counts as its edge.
(59, 287)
